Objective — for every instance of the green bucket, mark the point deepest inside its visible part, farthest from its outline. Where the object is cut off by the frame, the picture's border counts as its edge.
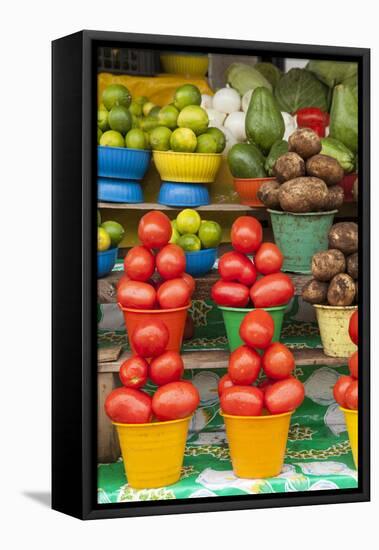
(233, 317)
(299, 236)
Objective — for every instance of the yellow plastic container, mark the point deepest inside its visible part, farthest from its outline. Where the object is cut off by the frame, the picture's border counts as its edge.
(153, 453)
(187, 167)
(333, 322)
(351, 419)
(257, 444)
(185, 64)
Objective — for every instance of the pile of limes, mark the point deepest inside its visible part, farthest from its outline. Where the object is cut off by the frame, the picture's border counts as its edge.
(192, 233)
(109, 234)
(181, 126)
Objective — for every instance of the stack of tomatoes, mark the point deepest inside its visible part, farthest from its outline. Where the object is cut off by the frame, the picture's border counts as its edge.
(174, 398)
(239, 285)
(279, 392)
(345, 390)
(174, 288)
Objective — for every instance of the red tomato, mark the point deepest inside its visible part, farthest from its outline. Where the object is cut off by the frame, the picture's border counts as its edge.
(353, 327)
(171, 262)
(340, 388)
(244, 366)
(351, 396)
(353, 364)
(272, 290)
(166, 368)
(284, 396)
(139, 263)
(136, 295)
(133, 372)
(234, 266)
(268, 259)
(246, 234)
(278, 362)
(225, 382)
(150, 338)
(173, 293)
(257, 329)
(128, 406)
(154, 229)
(265, 384)
(175, 400)
(242, 401)
(190, 282)
(230, 294)
(123, 279)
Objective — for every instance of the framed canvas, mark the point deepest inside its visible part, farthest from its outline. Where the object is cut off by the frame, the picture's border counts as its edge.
(205, 351)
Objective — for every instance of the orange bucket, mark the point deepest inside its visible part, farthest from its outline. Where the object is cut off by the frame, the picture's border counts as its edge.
(174, 319)
(247, 189)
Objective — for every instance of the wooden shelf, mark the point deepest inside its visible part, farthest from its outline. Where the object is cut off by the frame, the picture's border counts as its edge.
(155, 206)
(219, 359)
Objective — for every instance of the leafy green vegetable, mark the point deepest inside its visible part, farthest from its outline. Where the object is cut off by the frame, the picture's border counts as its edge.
(332, 72)
(244, 77)
(270, 71)
(298, 89)
(344, 116)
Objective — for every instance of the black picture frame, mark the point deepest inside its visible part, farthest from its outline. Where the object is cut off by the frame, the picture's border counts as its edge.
(74, 357)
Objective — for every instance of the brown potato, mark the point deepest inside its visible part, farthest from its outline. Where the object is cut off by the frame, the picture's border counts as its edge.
(325, 168)
(327, 264)
(305, 142)
(355, 190)
(344, 237)
(341, 291)
(268, 193)
(303, 195)
(334, 199)
(315, 292)
(288, 167)
(352, 265)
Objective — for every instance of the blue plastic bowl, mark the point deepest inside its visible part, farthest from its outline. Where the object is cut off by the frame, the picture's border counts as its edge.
(116, 190)
(106, 261)
(200, 262)
(187, 195)
(123, 163)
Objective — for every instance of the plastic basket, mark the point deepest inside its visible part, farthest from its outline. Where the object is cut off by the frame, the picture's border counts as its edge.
(200, 262)
(183, 195)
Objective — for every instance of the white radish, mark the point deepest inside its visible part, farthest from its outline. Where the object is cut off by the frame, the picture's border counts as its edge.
(216, 118)
(235, 123)
(227, 100)
(206, 101)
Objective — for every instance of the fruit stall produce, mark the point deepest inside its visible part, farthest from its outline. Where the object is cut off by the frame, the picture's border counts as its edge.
(227, 278)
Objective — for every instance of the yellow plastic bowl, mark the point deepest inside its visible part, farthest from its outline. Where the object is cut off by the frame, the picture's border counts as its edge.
(257, 444)
(187, 167)
(351, 419)
(185, 64)
(153, 453)
(333, 322)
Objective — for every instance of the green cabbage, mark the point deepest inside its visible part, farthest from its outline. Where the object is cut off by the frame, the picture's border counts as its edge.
(270, 71)
(344, 116)
(298, 89)
(332, 72)
(244, 77)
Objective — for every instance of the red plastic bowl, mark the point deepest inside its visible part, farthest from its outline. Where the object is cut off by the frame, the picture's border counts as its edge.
(247, 189)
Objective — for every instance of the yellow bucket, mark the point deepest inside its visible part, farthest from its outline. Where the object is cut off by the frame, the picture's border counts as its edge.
(257, 444)
(351, 419)
(185, 64)
(187, 167)
(153, 453)
(333, 322)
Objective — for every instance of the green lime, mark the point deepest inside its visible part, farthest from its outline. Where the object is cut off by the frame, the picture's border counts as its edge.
(183, 140)
(148, 123)
(135, 108)
(195, 118)
(99, 134)
(115, 231)
(189, 242)
(112, 139)
(168, 116)
(219, 136)
(175, 236)
(103, 239)
(146, 108)
(147, 140)
(120, 119)
(160, 138)
(210, 234)
(188, 94)
(154, 112)
(102, 120)
(141, 100)
(188, 221)
(136, 121)
(206, 144)
(116, 94)
(102, 107)
(135, 139)
(98, 218)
